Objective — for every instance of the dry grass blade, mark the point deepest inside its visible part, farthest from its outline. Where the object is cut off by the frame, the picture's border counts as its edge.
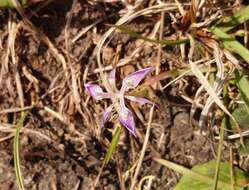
(195, 70)
(11, 110)
(180, 73)
(217, 86)
(40, 35)
(212, 93)
(7, 137)
(146, 140)
(13, 33)
(84, 31)
(5, 63)
(150, 178)
(130, 15)
(236, 136)
(56, 114)
(159, 51)
(5, 128)
(122, 62)
(73, 71)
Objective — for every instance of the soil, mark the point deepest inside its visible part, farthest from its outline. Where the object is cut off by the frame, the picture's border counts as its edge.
(72, 158)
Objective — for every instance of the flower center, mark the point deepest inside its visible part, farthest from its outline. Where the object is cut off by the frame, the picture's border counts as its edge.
(125, 115)
(129, 83)
(98, 90)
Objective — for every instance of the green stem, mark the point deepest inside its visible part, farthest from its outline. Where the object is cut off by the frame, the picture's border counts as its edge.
(16, 150)
(222, 127)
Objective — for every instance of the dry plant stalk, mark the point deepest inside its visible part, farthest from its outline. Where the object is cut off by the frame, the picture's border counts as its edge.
(145, 143)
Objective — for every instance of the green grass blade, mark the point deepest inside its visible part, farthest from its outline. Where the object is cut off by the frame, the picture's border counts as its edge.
(110, 152)
(113, 145)
(134, 34)
(230, 43)
(221, 140)
(16, 151)
(192, 174)
(235, 20)
(218, 159)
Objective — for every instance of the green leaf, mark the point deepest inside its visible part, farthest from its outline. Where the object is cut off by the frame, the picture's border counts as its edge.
(134, 34)
(243, 85)
(113, 145)
(243, 151)
(242, 117)
(16, 150)
(201, 176)
(9, 4)
(238, 18)
(230, 43)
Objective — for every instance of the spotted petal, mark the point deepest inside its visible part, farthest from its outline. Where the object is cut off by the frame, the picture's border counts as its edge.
(139, 100)
(127, 120)
(133, 79)
(106, 116)
(96, 91)
(126, 117)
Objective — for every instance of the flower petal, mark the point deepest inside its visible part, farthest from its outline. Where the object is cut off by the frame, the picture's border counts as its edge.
(126, 117)
(127, 120)
(133, 79)
(111, 78)
(141, 101)
(106, 116)
(96, 91)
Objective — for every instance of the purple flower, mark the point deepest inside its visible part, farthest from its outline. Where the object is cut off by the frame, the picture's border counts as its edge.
(118, 97)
